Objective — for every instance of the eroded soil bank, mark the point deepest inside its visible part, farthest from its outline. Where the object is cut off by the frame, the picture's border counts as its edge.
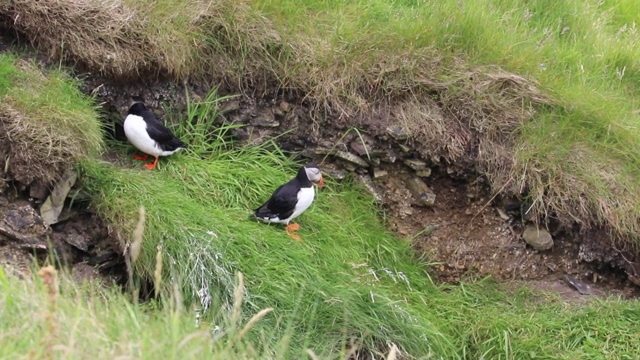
(447, 211)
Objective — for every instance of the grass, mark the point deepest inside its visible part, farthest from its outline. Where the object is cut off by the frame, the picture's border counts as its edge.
(349, 283)
(523, 91)
(47, 123)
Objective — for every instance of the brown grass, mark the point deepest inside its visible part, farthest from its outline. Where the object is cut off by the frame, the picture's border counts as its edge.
(125, 39)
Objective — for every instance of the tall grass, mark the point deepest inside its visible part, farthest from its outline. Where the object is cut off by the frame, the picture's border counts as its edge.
(349, 280)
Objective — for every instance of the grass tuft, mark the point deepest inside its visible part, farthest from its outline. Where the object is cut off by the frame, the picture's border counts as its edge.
(46, 123)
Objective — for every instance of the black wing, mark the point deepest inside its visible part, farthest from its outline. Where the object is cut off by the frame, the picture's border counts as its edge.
(158, 132)
(281, 204)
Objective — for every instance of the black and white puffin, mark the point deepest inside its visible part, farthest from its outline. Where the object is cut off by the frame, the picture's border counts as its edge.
(148, 134)
(291, 199)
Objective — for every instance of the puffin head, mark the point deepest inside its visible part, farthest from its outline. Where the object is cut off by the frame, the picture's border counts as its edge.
(314, 174)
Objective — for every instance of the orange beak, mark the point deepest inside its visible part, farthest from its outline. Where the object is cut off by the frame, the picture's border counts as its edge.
(321, 182)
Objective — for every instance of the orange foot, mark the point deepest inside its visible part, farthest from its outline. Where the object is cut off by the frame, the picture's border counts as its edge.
(293, 227)
(152, 165)
(143, 157)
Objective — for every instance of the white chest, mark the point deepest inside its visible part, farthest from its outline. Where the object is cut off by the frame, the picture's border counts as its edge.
(305, 198)
(135, 128)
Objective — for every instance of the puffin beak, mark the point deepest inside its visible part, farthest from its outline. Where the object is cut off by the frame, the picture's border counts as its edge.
(321, 182)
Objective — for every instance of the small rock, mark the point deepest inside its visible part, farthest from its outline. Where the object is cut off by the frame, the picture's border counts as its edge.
(323, 151)
(38, 190)
(338, 175)
(52, 207)
(582, 288)
(346, 165)
(379, 174)
(378, 154)
(78, 241)
(229, 106)
(277, 112)
(422, 194)
(285, 106)
(265, 119)
(359, 148)
(369, 185)
(398, 132)
(539, 239)
(373, 161)
(389, 159)
(424, 173)
(354, 159)
(416, 164)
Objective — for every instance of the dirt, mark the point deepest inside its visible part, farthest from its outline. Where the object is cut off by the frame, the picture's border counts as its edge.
(467, 239)
(462, 234)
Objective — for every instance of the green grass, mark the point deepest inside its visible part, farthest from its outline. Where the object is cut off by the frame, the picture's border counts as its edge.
(577, 97)
(349, 280)
(47, 121)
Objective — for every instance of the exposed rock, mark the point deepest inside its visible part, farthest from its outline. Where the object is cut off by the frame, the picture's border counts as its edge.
(379, 174)
(229, 106)
(538, 238)
(285, 106)
(424, 173)
(52, 207)
(14, 261)
(369, 185)
(330, 171)
(38, 190)
(398, 132)
(354, 159)
(346, 165)
(265, 119)
(22, 219)
(390, 158)
(373, 161)
(582, 288)
(422, 194)
(359, 148)
(416, 164)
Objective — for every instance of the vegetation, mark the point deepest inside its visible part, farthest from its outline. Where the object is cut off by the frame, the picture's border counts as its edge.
(350, 286)
(45, 120)
(542, 96)
(556, 117)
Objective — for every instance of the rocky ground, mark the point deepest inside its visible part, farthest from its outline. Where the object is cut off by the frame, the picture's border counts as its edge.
(447, 212)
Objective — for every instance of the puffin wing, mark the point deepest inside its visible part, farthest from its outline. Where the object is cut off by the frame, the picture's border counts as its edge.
(281, 204)
(156, 130)
(160, 134)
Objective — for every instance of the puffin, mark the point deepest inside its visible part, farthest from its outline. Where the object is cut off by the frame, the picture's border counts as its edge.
(148, 134)
(290, 200)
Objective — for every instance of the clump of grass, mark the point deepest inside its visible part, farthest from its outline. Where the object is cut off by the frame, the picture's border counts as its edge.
(102, 323)
(46, 122)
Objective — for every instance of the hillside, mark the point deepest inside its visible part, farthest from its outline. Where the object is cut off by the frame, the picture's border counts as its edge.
(537, 99)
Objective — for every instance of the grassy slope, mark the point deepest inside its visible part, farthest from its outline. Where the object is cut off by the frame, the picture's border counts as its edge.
(322, 291)
(578, 158)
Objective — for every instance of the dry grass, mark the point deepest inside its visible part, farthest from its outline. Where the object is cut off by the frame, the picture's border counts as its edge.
(45, 123)
(130, 38)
